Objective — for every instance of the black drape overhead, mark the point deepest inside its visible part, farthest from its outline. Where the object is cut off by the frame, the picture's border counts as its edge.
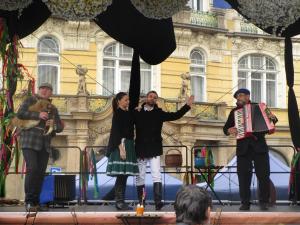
(287, 33)
(31, 18)
(153, 39)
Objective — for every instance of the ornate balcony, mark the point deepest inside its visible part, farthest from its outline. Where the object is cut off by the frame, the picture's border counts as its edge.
(198, 18)
(248, 28)
(67, 104)
(206, 19)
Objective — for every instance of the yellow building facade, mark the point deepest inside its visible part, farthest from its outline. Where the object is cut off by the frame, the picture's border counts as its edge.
(216, 47)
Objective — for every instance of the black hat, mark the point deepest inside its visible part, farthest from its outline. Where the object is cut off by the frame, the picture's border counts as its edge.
(241, 90)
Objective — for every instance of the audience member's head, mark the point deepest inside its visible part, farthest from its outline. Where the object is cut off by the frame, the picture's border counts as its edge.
(192, 205)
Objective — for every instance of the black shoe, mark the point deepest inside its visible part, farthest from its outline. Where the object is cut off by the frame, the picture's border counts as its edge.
(245, 207)
(263, 206)
(30, 207)
(159, 205)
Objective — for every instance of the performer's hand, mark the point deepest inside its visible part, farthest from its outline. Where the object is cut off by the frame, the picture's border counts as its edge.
(43, 115)
(49, 122)
(273, 118)
(190, 100)
(122, 152)
(232, 130)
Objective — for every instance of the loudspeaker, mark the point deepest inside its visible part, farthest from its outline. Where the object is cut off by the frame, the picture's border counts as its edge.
(58, 189)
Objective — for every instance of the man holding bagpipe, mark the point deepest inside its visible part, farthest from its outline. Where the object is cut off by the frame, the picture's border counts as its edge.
(249, 122)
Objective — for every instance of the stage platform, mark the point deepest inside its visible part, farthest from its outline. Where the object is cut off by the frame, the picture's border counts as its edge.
(107, 214)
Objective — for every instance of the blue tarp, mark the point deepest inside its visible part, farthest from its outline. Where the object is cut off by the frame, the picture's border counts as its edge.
(226, 185)
(221, 4)
(105, 183)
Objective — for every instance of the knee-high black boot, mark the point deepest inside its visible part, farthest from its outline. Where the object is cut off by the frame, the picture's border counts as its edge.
(140, 189)
(120, 189)
(157, 190)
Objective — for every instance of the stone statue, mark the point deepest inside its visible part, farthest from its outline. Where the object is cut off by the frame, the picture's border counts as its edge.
(184, 86)
(81, 71)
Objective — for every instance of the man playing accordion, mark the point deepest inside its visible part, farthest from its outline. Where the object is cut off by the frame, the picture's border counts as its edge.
(250, 147)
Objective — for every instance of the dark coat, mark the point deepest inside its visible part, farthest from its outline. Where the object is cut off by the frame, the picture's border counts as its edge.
(122, 127)
(33, 138)
(148, 125)
(257, 141)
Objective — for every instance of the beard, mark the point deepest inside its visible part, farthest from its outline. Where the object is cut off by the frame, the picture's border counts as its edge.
(151, 103)
(240, 102)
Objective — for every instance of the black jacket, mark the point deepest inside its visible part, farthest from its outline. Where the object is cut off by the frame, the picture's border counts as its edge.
(256, 142)
(148, 125)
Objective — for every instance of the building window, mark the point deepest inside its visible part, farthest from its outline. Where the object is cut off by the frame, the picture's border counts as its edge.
(258, 73)
(48, 62)
(197, 72)
(196, 5)
(116, 70)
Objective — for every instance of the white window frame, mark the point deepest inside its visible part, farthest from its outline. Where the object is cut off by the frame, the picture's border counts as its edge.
(205, 5)
(196, 4)
(54, 64)
(203, 75)
(264, 73)
(117, 58)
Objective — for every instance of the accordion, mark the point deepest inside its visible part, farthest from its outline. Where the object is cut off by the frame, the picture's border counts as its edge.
(253, 118)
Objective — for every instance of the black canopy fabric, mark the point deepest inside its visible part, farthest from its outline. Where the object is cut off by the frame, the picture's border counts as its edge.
(290, 31)
(31, 18)
(153, 39)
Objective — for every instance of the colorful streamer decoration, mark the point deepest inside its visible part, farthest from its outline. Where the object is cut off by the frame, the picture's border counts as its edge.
(12, 72)
(88, 169)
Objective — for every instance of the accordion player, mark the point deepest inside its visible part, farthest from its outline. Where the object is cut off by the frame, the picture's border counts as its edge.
(253, 118)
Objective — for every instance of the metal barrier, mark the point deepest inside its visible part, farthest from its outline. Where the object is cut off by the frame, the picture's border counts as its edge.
(188, 169)
(217, 168)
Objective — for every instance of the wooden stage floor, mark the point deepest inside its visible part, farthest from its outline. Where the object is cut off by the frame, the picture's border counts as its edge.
(107, 214)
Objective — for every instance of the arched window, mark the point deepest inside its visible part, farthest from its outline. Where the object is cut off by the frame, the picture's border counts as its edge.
(116, 70)
(48, 62)
(258, 73)
(197, 72)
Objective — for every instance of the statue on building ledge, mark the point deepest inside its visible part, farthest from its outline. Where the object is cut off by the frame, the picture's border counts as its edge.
(184, 87)
(81, 71)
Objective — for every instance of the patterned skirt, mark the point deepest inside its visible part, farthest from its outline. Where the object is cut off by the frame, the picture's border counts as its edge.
(116, 166)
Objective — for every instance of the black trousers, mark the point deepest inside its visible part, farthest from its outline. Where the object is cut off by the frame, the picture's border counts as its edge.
(262, 170)
(36, 165)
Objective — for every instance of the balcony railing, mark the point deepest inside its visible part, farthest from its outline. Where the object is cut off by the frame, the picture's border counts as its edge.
(202, 111)
(206, 19)
(248, 28)
(73, 103)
